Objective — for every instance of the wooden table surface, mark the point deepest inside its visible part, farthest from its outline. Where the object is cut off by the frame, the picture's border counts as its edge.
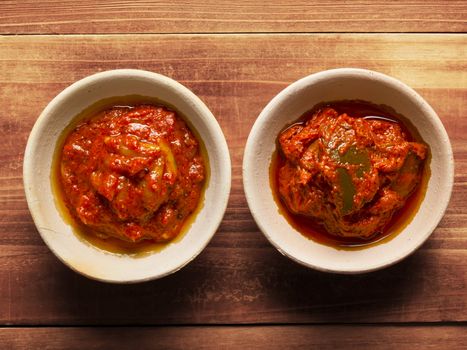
(240, 292)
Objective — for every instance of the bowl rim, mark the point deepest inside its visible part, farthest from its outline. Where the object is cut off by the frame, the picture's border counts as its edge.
(207, 118)
(282, 96)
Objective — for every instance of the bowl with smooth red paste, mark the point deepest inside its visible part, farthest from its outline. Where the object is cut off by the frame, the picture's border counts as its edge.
(352, 173)
(127, 176)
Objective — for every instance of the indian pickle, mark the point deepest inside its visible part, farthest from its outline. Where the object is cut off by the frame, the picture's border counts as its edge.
(349, 174)
(132, 172)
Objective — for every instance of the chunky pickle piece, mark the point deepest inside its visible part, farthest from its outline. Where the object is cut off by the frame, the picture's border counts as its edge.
(408, 176)
(347, 189)
(147, 170)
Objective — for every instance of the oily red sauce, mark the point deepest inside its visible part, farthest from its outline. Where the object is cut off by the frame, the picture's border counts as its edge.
(132, 174)
(312, 227)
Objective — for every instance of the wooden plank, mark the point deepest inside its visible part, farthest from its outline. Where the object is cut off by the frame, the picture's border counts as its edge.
(225, 337)
(240, 277)
(214, 16)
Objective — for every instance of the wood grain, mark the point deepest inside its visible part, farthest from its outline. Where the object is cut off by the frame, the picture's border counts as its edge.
(214, 16)
(240, 277)
(272, 337)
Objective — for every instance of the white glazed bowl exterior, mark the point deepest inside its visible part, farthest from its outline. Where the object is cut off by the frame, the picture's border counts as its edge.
(345, 84)
(58, 235)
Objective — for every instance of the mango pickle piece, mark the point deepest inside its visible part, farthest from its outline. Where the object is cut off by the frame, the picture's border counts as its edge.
(152, 198)
(149, 147)
(408, 176)
(118, 206)
(154, 185)
(347, 189)
(171, 164)
(354, 156)
(121, 148)
(125, 151)
(310, 156)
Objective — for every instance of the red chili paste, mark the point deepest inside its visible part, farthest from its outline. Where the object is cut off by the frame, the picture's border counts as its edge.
(132, 172)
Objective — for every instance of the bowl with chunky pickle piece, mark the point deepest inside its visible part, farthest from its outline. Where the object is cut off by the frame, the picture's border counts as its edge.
(333, 159)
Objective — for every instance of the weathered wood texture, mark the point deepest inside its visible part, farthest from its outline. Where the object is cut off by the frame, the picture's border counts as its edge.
(256, 337)
(240, 277)
(214, 16)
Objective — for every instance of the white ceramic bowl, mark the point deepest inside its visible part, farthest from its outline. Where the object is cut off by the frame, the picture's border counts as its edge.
(344, 84)
(58, 235)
